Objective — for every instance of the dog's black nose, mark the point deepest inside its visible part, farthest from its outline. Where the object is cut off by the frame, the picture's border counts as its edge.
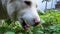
(36, 21)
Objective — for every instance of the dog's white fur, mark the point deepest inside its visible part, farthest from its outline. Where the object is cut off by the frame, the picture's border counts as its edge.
(28, 13)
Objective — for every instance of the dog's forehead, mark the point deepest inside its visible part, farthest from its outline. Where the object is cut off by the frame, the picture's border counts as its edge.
(29, 0)
(20, 0)
(26, 0)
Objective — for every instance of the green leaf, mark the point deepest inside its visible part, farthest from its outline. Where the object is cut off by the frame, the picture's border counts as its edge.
(10, 32)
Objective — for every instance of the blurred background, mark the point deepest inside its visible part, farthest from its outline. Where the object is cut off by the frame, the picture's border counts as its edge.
(50, 4)
(49, 12)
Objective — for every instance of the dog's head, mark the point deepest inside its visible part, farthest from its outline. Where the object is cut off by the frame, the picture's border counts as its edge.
(26, 11)
(29, 15)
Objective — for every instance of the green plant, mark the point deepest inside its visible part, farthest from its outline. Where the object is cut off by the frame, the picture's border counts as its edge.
(50, 24)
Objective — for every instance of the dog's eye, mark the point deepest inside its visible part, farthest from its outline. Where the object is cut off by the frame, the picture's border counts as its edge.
(11, 1)
(28, 3)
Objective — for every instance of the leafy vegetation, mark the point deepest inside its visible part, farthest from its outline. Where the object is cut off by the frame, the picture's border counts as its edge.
(50, 24)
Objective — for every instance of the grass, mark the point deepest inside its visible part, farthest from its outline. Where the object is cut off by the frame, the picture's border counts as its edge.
(50, 24)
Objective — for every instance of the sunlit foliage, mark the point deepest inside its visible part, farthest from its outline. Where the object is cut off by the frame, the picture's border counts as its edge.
(50, 24)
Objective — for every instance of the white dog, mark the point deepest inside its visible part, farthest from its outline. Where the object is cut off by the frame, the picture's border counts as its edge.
(24, 11)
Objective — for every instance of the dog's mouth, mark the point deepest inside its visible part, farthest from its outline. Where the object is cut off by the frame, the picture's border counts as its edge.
(24, 25)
